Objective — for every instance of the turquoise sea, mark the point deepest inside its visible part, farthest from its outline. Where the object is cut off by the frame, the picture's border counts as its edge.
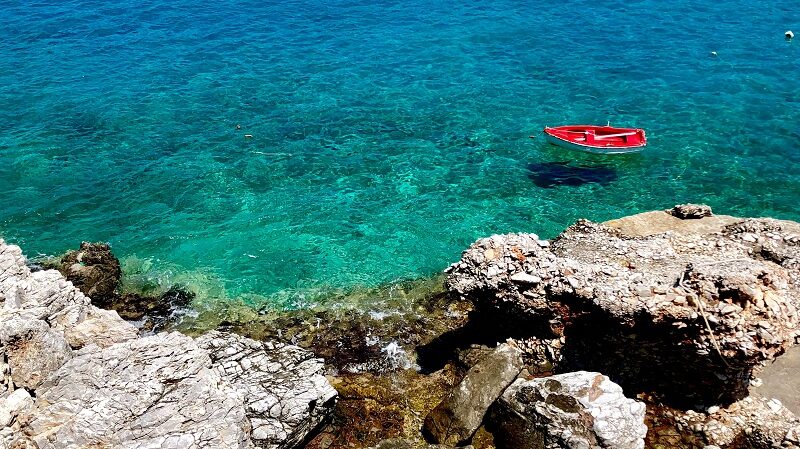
(280, 151)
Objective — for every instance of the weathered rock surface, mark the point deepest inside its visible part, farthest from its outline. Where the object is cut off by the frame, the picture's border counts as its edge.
(12, 405)
(157, 391)
(572, 410)
(779, 380)
(689, 211)
(658, 222)
(93, 270)
(98, 385)
(99, 327)
(686, 313)
(34, 351)
(285, 392)
(46, 295)
(460, 414)
(752, 423)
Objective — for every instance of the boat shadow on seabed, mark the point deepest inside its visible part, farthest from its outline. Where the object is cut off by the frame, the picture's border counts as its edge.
(580, 168)
(553, 174)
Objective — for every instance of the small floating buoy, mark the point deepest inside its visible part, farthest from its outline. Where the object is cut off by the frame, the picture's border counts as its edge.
(713, 53)
(238, 126)
(789, 35)
(248, 136)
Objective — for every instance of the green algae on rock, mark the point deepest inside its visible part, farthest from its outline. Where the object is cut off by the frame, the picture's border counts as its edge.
(374, 407)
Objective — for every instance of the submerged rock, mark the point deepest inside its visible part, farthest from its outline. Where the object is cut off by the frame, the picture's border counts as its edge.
(354, 341)
(579, 410)
(399, 443)
(154, 313)
(686, 314)
(460, 414)
(374, 407)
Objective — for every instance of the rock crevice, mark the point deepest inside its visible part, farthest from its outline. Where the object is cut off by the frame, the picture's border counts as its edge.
(685, 314)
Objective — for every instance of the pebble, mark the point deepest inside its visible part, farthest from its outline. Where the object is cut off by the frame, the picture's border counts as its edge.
(793, 436)
(526, 278)
(775, 405)
(729, 309)
(772, 304)
(748, 237)
(572, 282)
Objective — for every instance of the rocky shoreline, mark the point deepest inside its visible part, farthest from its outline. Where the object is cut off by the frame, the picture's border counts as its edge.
(76, 376)
(647, 331)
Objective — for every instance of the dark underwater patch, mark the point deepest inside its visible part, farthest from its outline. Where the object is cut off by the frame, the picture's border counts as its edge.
(552, 174)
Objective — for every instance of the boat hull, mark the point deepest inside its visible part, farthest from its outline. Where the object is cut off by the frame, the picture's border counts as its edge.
(597, 139)
(589, 149)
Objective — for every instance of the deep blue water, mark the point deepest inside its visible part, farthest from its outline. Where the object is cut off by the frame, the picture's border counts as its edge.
(386, 136)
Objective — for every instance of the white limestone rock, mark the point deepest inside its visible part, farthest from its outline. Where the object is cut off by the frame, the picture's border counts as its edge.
(654, 280)
(12, 405)
(286, 394)
(46, 295)
(753, 422)
(153, 392)
(100, 327)
(34, 350)
(573, 410)
(98, 385)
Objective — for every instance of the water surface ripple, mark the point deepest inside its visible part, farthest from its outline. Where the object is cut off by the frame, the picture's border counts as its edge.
(386, 136)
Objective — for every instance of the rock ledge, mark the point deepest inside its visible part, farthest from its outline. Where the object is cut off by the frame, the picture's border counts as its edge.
(75, 376)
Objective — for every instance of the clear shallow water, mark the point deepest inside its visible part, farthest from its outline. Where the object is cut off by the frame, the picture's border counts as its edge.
(385, 137)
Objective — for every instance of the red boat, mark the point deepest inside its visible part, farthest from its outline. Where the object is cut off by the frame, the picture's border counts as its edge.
(597, 139)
